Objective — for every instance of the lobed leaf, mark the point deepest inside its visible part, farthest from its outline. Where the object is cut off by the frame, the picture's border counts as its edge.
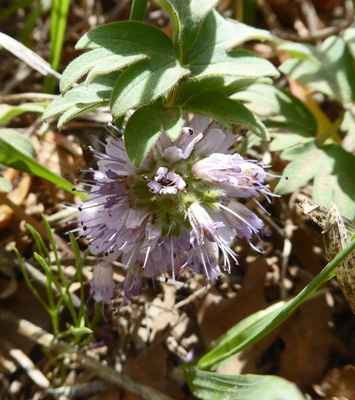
(331, 167)
(329, 70)
(144, 128)
(339, 188)
(209, 55)
(125, 40)
(306, 160)
(211, 386)
(282, 109)
(146, 53)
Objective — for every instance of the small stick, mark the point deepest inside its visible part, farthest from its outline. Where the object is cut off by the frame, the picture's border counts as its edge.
(43, 338)
(80, 389)
(34, 373)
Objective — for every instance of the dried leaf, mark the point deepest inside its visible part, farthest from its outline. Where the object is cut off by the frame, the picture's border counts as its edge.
(336, 238)
(338, 382)
(336, 230)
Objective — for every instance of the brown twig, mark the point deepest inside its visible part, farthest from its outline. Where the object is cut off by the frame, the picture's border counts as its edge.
(275, 26)
(43, 338)
(34, 373)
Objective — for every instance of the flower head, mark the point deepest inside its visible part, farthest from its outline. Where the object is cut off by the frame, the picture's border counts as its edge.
(176, 211)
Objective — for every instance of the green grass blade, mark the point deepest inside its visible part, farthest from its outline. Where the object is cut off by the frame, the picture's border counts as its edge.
(138, 10)
(59, 17)
(41, 247)
(28, 281)
(258, 325)
(15, 152)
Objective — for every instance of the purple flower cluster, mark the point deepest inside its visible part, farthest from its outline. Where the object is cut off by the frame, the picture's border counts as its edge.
(178, 210)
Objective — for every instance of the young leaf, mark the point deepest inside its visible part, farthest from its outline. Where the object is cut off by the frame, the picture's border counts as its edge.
(82, 98)
(349, 37)
(144, 127)
(304, 51)
(211, 386)
(187, 17)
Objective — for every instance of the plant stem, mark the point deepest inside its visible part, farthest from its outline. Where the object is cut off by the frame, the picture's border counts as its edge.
(138, 10)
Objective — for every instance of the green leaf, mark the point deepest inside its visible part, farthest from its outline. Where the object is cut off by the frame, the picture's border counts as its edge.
(11, 139)
(8, 112)
(209, 55)
(349, 37)
(331, 74)
(144, 127)
(236, 338)
(332, 168)
(335, 182)
(16, 151)
(82, 98)
(146, 53)
(79, 331)
(145, 82)
(5, 184)
(304, 51)
(284, 141)
(225, 85)
(221, 108)
(348, 125)
(187, 18)
(248, 12)
(306, 161)
(255, 327)
(282, 109)
(90, 63)
(211, 386)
